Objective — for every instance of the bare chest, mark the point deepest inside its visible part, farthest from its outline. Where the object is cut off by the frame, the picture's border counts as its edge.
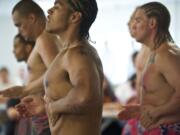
(151, 77)
(57, 82)
(35, 66)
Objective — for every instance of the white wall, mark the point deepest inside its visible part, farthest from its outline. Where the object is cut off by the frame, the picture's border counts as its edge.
(7, 32)
(177, 21)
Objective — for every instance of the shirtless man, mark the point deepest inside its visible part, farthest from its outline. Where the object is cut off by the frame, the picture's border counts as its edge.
(21, 50)
(160, 91)
(142, 55)
(73, 83)
(30, 21)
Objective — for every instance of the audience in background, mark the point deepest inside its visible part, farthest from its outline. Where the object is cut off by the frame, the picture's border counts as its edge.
(127, 92)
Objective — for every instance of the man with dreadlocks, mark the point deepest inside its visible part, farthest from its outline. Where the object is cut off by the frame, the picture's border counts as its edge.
(159, 110)
(73, 83)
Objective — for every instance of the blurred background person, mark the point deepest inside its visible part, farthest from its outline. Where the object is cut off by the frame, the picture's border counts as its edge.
(16, 125)
(5, 82)
(126, 92)
(110, 124)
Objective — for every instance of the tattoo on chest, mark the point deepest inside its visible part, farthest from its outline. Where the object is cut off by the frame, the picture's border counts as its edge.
(151, 59)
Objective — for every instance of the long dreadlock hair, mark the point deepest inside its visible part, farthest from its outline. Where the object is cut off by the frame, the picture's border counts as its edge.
(162, 16)
(89, 10)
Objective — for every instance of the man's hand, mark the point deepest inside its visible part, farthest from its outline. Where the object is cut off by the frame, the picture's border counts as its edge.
(13, 92)
(129, 112)
(149, 116)
(112, 106)
(13, 113)
(31, 105)
(53, 117)
(23, 111)
(49, 104)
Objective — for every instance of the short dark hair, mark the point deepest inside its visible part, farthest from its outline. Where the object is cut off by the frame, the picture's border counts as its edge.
(4, 69)
(25, 42)
(162, 16)
(89, 10)
(26, 7)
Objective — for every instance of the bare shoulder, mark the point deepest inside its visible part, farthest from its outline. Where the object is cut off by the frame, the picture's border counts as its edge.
(170, 55)
(46, 40)
(85, 53)
(168, 63)
(83, 62)
(47, 47)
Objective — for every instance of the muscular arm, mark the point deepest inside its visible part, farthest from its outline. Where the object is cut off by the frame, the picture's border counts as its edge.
(86, 93)
(169, 66)
(47, 48)
(22, 91)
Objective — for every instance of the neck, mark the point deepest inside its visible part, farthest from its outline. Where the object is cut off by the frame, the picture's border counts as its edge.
(69, 38)
(26, 59)
(149, 42)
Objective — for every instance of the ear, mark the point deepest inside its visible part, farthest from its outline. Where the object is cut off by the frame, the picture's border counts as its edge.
(32, 18)
(28, 48)
(76, 17)
(152, 22)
